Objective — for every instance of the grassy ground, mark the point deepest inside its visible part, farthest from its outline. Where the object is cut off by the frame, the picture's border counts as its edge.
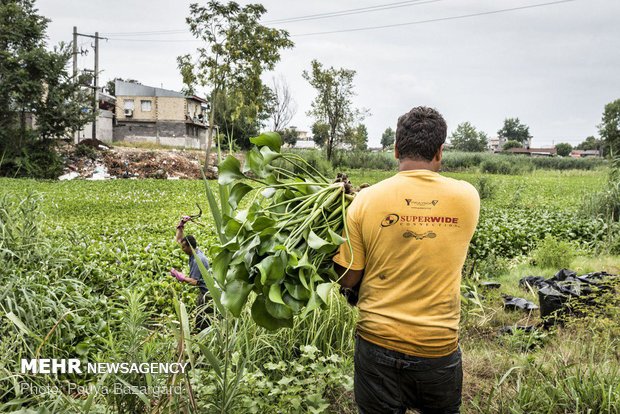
(120, 243)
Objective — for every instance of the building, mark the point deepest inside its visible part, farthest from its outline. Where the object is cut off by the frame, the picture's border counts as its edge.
(533, 152)
(104, 122)
(496, 144)
(161, 116)
(304, 139)
(585, 153)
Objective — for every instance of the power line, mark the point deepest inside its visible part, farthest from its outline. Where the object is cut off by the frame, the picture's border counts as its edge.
(352, 11)
(347, 12)
(440, 19)
(365, 28)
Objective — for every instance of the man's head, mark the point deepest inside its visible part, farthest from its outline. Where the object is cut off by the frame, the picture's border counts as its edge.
(420, 135)
(188, 244)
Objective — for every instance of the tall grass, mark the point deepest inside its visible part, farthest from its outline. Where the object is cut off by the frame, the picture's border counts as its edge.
(454, 161)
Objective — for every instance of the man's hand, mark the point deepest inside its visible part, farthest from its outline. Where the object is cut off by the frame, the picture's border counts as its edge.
(184, 220)
(180, 276)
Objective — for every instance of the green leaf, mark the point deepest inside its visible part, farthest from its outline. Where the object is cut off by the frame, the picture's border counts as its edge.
(275, 294)
(318, 244)
(272, 268)
(229, 171)
(298, 292)
(294, 304)
(268, 155)
(263, 318)
(268, 192)
(215, 209)
(254, 162)
(81, 349)
(237, 272)
(238, 191)
(277, 310)
(336, 238)
(323, 291)
(220, 266)
(261, 223)
(313, 304)
(236, 295)
(269, 139)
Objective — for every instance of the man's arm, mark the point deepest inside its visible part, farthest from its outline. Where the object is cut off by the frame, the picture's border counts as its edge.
(179, 234)
(351, 277)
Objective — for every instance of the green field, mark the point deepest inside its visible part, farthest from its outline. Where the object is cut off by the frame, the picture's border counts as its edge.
(86, 273)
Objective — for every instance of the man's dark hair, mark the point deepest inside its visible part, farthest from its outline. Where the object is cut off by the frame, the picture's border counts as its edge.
(419, 134)
(191, 240)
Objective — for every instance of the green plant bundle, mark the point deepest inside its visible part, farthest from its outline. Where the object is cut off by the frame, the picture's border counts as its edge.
(280, 247)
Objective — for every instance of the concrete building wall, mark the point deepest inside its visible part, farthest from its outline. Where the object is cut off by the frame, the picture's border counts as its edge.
(105, 130)
(171, 108)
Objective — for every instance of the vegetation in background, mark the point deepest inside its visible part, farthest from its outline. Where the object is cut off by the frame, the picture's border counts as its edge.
(514, 130)
(388, 138)
(39, 99)
(563, 149)
(553, 253)
(333, 105)
(609, 129)
(467, 138)
(237, 49)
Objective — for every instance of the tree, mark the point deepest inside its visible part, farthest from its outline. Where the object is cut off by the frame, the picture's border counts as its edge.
(320, 133)
(609, 128)
(466, 138)
(511, 144)
(284, 107)
(333, 105)
(237, 49)
(356, 137)
(514, 130)
(289, 136)
(563, 149)
(388, 138)
(591, 143)
(34, 82)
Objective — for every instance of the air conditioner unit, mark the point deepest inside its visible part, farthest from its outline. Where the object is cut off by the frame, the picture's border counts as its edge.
(128, 112)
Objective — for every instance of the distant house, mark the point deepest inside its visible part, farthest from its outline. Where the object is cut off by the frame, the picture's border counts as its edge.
(533, 152)
(496, 144)
(304, 140)
(104, 122)
(149, 114)
(585, 153)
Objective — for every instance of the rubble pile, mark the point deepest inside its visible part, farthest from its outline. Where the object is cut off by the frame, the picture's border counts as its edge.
(94, 160)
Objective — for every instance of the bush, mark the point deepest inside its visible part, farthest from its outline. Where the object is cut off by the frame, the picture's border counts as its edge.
(37, 159)
(606, 204)
(553, 253)
(486, 188)
(313, 157)
(365, 160)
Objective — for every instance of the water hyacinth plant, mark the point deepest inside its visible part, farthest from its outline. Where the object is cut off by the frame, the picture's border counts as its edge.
(280, 246)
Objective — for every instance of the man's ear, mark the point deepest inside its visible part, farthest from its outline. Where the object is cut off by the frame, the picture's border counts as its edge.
(439, 154)
(396, 154)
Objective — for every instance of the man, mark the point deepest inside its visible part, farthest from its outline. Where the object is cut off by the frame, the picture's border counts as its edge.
(190, 247)
(409, 236)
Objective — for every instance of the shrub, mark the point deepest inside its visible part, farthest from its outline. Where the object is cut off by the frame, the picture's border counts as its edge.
(37, 159)
(486, 188)
(313, 157)
(553, 253)
(364, 160)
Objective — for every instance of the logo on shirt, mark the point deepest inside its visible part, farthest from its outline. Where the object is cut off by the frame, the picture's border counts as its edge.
(390, 220)
(413, 203)
(419, 236)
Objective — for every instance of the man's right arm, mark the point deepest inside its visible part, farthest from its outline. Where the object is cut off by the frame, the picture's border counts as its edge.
(179, 234)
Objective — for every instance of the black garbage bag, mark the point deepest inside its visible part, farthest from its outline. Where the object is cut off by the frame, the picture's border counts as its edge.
(511, 329)
(490, 285)
(564, 274)
(532, 282)
(513, 303)
(553, 305)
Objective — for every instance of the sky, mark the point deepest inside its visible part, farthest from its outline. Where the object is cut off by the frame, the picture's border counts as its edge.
(553, 66)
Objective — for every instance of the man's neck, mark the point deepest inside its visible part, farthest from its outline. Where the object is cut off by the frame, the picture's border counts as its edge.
(408, 165)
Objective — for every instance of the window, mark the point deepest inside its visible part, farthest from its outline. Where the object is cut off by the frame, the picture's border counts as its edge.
(128, 104)
(145, 106)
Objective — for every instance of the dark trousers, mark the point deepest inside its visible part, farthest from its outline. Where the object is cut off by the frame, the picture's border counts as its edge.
(389, 382)
(204, 311)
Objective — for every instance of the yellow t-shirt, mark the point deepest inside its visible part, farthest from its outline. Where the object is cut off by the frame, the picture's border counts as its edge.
(410, 234)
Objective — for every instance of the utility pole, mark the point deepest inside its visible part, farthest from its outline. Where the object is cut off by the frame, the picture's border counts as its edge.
(95, 72)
